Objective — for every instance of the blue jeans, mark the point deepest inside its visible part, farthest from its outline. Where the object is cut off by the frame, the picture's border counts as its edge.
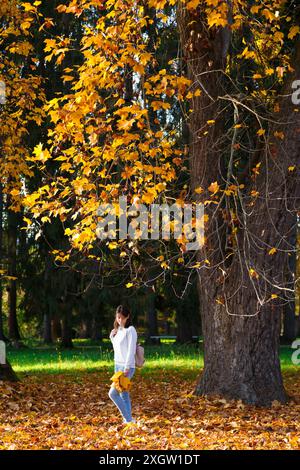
(122, 399)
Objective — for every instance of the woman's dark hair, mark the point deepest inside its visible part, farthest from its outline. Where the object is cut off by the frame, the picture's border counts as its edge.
(123, 310)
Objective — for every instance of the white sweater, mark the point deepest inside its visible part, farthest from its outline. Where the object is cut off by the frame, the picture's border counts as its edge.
(124, 344)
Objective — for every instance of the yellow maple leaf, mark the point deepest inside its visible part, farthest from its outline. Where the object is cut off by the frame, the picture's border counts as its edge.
(214, 187)
(15, 192)
(255, 9)
(268, 14)
(192, 5)
(199, 190)
(112, 245)
(279, 135)
(269, 71)
(160, 105)
(293, 32)
(126, 124)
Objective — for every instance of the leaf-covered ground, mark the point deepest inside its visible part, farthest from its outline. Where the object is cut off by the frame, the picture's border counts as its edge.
(74, 412)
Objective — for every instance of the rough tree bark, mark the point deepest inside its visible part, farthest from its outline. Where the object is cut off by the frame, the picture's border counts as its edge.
(66, 332)
(188, 324)
(47, 330)
(241, 353)
(47, 336)
(13, 327)
(151, 318)
(55, 327)
(2, 336)
(289, 309)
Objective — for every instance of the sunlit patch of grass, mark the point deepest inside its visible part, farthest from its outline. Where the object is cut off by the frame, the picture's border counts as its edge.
(56, 361)
(88, 358)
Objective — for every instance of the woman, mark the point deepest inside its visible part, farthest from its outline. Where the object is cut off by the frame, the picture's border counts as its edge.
(123, 338)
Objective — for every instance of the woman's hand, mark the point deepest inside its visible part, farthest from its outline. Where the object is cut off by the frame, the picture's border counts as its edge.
(114, 332)
(126, 372)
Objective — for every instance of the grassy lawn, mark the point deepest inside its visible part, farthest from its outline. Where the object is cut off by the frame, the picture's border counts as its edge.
(88, 357)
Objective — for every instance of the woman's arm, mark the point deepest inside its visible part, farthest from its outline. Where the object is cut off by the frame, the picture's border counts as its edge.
(132, 339)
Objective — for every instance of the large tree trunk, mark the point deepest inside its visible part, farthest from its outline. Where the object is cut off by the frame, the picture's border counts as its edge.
(66, 332)
(13, 328)
(97, 325)
(240, 319)
(47, 327)
(289, 309)
(2, 336)
(241, 354)
(187, 319)
(185, 329)
(151, 319)
(66, 321)
(47, 330)
(55, 328)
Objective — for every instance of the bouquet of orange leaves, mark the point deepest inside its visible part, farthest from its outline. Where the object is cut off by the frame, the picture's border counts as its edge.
(121, 382)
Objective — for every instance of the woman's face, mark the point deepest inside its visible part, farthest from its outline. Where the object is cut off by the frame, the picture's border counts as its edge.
(121, 320)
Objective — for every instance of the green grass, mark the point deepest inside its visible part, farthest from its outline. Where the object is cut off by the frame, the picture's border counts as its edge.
(90, 358)
(87, 357)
